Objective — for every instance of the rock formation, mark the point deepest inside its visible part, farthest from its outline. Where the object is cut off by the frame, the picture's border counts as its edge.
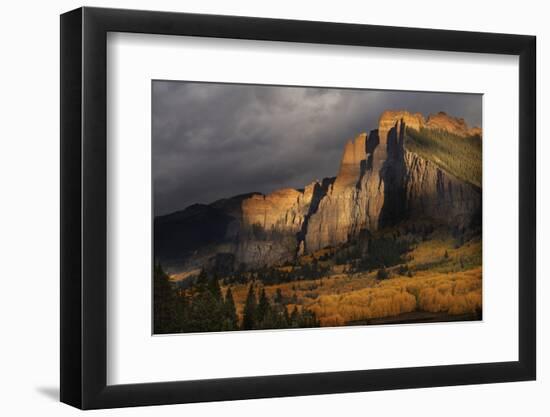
(379, 183)
(434, 194)
(454, 125)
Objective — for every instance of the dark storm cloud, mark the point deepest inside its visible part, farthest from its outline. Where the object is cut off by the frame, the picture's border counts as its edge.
(212, 141)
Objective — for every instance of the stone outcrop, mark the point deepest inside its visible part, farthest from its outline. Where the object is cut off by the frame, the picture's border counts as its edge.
(338, 211)
(457, 126)
(272, 226)
(355, 153)
(389, 118)
(283, 209)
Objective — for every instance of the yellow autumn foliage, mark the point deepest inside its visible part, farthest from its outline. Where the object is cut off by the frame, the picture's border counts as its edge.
(340, 299)
(364, 304)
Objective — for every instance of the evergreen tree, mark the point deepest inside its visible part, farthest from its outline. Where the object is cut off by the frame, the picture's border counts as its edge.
(230, 311)
(214, 288)
(250, 305)
(278, 318)
(263, 310)
(202, 281)
(181, 310)
(382, 273)
(295, 318)
(163, 302)
(286, 317)
(278, 296)
(308, 319)
(205, 313)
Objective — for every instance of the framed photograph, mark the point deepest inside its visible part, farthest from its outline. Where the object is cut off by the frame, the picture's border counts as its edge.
(257, 208)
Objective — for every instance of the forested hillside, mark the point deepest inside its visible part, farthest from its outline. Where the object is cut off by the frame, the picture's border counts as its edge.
(459, 156)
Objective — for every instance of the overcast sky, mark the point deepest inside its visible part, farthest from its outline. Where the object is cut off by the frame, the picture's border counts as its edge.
(212, 141)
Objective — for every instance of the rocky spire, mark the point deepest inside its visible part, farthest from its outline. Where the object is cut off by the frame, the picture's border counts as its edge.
(355, 154)
(390, 118)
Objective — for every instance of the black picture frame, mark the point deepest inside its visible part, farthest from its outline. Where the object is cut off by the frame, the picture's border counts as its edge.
(84, 207)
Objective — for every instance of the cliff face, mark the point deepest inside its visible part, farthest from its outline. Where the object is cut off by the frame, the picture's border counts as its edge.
(375, 196)
(432, 193)
(270, 225)
(379, 183)
(339, 211)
